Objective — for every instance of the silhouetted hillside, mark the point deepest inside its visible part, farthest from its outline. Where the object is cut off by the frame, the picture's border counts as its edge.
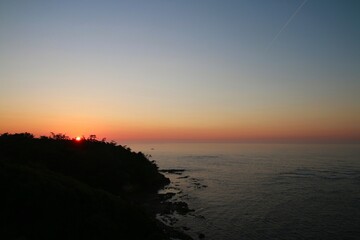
(57, 188)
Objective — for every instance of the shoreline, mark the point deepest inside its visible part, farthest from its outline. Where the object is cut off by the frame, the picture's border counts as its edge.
(163, 205)
(159, 204)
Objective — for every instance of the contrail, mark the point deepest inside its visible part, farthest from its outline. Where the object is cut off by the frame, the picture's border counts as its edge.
(287, 23)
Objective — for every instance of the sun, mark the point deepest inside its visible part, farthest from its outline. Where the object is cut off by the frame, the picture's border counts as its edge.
(78, 138)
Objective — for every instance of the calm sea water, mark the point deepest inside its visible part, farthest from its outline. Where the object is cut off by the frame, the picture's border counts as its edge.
(265, 191)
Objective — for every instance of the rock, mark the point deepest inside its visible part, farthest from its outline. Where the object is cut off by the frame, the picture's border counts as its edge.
(173, 171)
(166, 196)
(183, 177)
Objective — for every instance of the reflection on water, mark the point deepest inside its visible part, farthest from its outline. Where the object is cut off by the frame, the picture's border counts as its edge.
(265, 191)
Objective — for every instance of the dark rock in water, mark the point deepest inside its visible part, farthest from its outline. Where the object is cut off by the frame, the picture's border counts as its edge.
(171, 207)
(166, 196)
(186, 228)
(171, 188)
(173, 171)
(201, 235)
(169, 220)
(181, 207)
(183, 177)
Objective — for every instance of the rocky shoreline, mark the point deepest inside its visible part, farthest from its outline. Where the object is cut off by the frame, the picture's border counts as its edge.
(58, 188)
(165, 205)
(106, 190)
(158, 204)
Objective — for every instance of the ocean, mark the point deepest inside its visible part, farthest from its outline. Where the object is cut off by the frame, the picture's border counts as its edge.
(263, 191)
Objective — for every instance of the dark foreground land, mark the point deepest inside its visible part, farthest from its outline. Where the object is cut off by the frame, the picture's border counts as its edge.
(58, 188)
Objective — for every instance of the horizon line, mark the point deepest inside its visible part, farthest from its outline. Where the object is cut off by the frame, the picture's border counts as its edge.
(268, 140)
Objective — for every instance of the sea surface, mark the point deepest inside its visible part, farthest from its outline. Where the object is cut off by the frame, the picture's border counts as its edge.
(263, 191)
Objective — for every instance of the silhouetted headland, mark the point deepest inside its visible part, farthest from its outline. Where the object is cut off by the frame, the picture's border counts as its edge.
(61, 188)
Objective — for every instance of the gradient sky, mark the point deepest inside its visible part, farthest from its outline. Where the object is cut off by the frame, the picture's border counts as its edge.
(182, 69)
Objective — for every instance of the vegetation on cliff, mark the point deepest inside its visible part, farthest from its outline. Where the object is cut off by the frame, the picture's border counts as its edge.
(59, 188)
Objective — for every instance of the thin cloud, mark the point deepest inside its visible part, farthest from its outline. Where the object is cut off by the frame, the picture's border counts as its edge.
(287, 23)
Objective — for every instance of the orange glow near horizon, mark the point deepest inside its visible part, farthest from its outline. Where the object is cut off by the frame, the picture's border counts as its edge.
(245, 131)
(189, 125)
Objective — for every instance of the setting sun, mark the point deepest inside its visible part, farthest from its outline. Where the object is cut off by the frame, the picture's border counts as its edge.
(78, 138)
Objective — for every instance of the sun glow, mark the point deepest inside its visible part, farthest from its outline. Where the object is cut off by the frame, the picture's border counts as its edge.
(78, 138)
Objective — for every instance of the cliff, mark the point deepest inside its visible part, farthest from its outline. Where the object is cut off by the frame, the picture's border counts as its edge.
(58, 188)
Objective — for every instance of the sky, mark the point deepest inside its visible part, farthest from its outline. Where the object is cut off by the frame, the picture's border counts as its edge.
(182, 70)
